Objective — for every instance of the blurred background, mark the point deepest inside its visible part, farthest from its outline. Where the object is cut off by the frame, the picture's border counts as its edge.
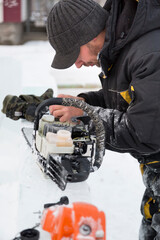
(24, 20)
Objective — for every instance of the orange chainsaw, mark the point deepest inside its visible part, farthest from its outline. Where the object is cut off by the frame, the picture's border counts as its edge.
(79, 221)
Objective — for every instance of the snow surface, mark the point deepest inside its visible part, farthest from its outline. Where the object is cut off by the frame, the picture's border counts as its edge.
(116, 188)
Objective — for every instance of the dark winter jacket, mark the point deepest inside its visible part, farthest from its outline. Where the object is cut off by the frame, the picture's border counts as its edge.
(129, 101)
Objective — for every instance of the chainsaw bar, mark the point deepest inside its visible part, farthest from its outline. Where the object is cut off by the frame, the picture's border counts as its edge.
(28, 135)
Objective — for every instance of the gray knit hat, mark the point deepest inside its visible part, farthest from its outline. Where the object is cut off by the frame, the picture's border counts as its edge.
(71, 24)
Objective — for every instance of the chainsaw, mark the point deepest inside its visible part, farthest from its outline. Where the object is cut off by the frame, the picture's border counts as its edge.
(70, 151)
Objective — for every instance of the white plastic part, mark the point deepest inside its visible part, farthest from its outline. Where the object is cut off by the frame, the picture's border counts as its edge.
(64, 134)
(51, 137)
(43, 120)
(48, 145)
(48, 118)
(64, 139)
(49, 148)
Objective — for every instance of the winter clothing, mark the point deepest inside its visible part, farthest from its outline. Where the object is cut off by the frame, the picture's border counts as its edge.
(24, 106)
(150, 226)
(129, 101)
(130, 83)
(146, 231)
(69, 26)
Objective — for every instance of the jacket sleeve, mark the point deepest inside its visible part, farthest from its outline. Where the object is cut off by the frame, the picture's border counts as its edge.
(138, 129)
(94, 98)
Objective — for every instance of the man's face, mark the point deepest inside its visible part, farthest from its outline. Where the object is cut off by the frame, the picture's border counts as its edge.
(88, 56)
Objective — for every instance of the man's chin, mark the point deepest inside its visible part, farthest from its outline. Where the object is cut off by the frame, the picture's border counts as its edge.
(92, 64)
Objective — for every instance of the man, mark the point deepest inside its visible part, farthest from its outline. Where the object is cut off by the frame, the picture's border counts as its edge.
(123, 38)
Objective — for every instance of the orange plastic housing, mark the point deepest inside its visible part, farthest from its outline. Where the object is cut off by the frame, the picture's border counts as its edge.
(81, 221)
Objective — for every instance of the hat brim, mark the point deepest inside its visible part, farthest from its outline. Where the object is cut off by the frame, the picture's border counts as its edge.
(65, 61)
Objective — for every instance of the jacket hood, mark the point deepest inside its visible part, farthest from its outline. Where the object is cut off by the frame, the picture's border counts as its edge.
(128, 20)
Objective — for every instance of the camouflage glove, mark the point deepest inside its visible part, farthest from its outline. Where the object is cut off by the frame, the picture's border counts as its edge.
(37, 99)
(24, 106)
(13, 107)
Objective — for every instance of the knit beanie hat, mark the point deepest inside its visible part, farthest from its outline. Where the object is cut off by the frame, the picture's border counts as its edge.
(71, 24)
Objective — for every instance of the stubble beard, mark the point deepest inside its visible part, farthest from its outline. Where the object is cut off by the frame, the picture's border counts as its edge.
(94, 51)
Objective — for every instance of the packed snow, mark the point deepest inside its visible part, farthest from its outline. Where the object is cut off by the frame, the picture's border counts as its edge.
(116, 188)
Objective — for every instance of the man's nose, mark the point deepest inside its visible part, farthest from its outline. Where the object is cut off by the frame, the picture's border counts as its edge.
(79, 64)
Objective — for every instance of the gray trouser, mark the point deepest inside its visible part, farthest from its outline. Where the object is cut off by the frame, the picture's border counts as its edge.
(150, 207)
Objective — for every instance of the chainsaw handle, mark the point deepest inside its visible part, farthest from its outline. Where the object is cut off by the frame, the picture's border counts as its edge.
(90, 110)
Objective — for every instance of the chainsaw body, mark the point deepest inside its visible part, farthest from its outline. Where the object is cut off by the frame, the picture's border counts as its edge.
(67, 152)
(76, 222)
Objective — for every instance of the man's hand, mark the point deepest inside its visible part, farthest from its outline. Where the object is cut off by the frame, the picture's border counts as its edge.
(65, 113)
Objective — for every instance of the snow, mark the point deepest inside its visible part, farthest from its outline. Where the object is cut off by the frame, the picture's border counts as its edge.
(116, 188)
